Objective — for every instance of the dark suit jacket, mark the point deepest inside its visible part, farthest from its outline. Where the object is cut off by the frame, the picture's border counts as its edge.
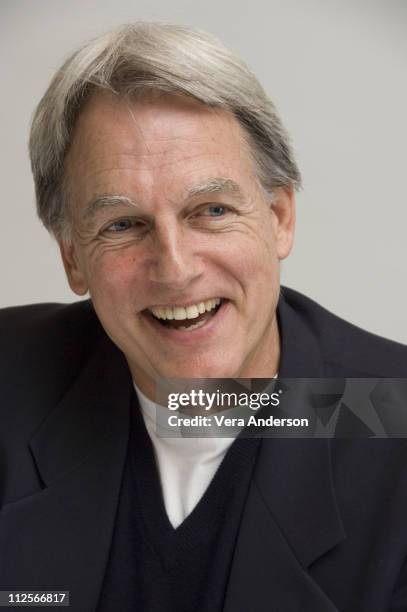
(324, 527)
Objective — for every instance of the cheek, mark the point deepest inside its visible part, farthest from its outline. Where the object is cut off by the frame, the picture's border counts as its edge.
(256, 261)
(114, 274)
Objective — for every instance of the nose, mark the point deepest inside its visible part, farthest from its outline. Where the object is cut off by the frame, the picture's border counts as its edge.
(174, 260)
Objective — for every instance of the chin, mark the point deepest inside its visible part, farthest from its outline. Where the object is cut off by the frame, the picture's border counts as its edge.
(203, 369)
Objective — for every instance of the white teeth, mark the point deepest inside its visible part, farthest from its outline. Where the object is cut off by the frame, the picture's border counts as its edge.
(192, 312)
(208, 305)
(194, 326)
(178, 313)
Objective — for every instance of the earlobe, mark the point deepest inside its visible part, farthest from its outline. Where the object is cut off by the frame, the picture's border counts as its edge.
(75, 276)
(283, 207)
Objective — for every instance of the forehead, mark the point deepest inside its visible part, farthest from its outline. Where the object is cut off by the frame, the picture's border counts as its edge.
(155, 115)
(153, 140)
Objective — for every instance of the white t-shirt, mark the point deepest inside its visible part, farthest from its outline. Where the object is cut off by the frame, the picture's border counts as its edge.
(186, 465)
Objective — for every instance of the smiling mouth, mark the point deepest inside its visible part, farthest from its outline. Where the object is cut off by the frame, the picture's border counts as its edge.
(185, 318)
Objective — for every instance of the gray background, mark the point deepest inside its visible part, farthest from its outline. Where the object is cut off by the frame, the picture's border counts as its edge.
(337, 72)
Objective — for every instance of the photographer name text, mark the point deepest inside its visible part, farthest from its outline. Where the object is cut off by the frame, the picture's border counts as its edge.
(223, 421)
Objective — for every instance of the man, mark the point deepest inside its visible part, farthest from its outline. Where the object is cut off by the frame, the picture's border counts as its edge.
(166, 176)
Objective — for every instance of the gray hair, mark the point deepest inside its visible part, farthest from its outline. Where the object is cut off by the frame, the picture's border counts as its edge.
(139, 57)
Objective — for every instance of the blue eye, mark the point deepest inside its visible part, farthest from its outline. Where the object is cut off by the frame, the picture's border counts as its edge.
(124, 225)
(120, 226)
(216, 210)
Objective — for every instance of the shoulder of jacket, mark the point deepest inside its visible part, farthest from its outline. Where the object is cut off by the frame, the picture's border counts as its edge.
(347, 349)
(42, 348)
(35, 321)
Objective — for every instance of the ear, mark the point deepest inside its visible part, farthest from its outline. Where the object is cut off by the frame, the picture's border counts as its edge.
(283, 209)
(75, 276)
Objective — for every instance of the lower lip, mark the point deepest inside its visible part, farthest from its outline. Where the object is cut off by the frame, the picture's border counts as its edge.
(196, 335)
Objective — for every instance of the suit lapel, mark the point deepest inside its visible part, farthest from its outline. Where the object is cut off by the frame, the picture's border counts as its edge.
(290, 517)
(59, 537)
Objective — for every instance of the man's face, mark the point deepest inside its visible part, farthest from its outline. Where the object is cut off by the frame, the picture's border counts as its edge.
(167, 214)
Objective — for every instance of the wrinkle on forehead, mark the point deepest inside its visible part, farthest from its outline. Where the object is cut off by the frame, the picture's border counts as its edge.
(119, 139)
(171, 119)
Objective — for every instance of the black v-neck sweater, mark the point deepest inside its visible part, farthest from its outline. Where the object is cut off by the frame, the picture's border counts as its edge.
(153, 567)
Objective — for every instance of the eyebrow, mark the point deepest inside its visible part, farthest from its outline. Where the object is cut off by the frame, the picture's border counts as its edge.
(216, 185)
(210, 186)
(103, 202)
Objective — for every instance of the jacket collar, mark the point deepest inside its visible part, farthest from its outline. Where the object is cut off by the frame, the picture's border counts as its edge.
(301, 354)
(291, 517)
(85, 415)
(305, 507)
